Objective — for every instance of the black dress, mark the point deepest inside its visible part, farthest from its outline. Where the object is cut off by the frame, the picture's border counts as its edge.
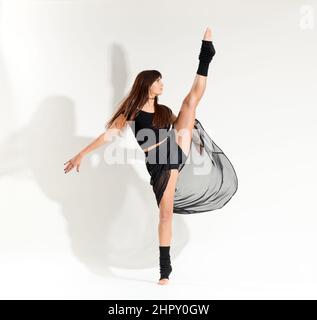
(206, 179)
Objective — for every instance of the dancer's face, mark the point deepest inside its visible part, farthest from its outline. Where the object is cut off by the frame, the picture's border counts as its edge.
(157, 87)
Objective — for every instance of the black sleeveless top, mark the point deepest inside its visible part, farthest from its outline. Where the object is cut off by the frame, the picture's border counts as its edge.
(146, 135)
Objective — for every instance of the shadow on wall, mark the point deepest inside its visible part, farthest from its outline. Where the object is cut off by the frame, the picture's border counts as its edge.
(107, 227)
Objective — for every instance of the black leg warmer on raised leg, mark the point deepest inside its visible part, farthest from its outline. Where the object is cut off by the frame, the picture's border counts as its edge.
(165, 262)
(207, 51)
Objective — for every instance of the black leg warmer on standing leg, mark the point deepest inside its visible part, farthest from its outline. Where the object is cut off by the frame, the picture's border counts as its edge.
(165, 262)
(207, 51)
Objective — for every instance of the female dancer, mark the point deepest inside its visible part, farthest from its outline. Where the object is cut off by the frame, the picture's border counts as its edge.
(141, 106)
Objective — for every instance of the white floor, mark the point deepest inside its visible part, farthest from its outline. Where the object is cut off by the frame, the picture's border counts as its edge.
(231, 254)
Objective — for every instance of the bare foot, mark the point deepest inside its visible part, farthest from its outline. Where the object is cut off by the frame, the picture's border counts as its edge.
(163, 281)
(207, 35)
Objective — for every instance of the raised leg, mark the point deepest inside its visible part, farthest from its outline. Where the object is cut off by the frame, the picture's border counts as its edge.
(185, 120)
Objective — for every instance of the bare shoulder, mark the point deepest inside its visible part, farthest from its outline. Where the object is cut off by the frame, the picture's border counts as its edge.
(173, 117)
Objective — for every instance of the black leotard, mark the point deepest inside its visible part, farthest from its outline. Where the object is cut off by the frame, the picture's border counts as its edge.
(149, 135)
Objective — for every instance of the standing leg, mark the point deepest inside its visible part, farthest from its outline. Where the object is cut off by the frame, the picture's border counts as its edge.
(166, 217)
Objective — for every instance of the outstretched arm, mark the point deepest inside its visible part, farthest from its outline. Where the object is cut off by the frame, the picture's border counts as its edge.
(106, 136)
(99, 141)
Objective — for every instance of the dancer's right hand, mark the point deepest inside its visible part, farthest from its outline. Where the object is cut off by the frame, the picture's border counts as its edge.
(74, 162)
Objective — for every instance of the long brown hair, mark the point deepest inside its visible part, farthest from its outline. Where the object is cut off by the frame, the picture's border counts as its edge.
(136, 99)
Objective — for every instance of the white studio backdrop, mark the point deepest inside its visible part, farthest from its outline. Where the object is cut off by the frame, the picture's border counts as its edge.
(64, 66)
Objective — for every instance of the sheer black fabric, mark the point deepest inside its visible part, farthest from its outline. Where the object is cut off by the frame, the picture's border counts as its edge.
(206, 179)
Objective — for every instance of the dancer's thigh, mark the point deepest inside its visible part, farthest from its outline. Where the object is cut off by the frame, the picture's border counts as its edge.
(184, 124)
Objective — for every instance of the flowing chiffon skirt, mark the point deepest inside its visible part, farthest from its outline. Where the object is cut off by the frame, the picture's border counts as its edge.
(206, 179)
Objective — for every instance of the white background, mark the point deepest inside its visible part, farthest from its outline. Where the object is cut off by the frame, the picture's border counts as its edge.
(64, 66)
